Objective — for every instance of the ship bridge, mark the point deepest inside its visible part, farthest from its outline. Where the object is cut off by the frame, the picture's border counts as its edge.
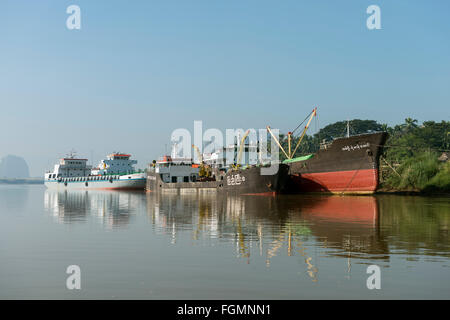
(115, 163)
(69, 167)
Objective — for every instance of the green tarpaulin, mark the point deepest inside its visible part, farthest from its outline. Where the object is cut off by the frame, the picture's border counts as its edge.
(298, 159)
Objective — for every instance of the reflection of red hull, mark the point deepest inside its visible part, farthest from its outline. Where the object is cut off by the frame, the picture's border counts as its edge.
(352, 181)
(343, 209)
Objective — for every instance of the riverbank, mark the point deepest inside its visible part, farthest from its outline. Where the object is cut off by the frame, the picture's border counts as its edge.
(420, 174)
(22, 181)
(382, 191)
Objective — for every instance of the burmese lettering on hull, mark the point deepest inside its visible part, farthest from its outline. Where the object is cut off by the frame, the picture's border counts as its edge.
(347, 165)
(235, 179)
(114, 172)
(180, 175)
(251, 181)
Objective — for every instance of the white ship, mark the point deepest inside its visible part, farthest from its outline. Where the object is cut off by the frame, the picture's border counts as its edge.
(114, 172)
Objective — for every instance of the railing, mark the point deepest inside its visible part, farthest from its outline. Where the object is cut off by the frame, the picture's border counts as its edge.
(123, 173)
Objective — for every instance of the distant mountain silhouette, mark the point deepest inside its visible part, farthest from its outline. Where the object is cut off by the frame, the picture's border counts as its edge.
(14, 167)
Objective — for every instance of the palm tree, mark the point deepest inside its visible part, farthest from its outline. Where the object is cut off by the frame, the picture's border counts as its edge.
(410, 123)
(385, 127)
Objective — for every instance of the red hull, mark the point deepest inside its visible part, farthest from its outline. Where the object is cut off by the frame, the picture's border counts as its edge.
(352, 181)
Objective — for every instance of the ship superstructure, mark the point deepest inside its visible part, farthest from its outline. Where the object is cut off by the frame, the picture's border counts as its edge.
(214, 174)
(115, 163)
(173, 170)
(227, 156)
(114, 172)
(69, 167)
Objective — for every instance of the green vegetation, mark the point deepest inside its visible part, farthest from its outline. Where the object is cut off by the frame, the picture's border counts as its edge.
(415, 172)
(410, 157)
(413, 151)
(441, 181)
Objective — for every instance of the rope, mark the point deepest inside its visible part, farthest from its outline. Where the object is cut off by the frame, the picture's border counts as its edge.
(302, 122)
(351, 180)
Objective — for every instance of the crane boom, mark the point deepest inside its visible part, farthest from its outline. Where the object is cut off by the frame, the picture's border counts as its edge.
(278, 143)
(313, 114)
(289, 136)
(241, 147)
(199, 154)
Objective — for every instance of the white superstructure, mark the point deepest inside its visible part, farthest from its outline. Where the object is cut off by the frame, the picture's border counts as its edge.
(114, 172)
(177, 170)
(116, 163)
(224, 157)
(70, 167)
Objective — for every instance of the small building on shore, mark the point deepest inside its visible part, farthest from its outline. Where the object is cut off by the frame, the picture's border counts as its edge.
(445, 156)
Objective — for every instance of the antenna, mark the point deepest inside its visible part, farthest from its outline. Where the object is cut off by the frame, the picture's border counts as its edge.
(72, 154)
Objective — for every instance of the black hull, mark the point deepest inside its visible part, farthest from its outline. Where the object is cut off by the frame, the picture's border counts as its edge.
(235, 182)
(251, 181)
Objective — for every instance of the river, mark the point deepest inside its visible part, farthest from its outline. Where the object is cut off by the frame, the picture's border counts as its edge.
(137, 245)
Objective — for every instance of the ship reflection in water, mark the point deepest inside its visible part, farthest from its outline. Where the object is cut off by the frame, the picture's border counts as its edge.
(312, 238)
(273, 226)
(112, 208)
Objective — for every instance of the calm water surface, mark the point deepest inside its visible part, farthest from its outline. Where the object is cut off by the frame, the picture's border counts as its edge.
(133, 245)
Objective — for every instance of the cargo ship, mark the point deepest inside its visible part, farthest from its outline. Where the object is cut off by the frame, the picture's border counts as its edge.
(181, 176)
(172, 174)
(346, 165)
(114, 172)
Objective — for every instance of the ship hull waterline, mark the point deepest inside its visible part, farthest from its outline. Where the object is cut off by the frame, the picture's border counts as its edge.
(135, 184)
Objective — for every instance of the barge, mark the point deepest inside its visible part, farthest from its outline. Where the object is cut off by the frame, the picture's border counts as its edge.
(181, 176)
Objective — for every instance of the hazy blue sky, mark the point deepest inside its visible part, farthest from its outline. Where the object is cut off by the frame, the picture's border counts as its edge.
(137, 70)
